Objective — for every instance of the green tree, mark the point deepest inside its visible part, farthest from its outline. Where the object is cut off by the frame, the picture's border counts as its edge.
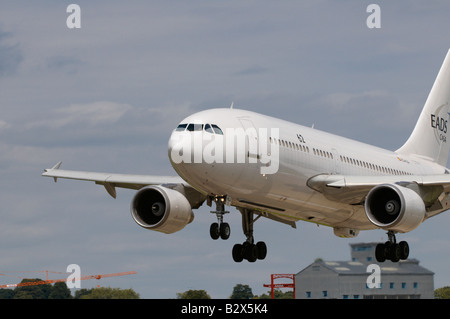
(23, 295)
(60, 291)
(318, 260)
(442, 293)
(277, 294)
(32, 291)
(242, 292)
(79, 293)
(110, 293)
(6, 294)
(193, 294)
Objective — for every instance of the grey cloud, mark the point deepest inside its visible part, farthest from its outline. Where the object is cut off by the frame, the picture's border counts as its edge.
(369, 116)
(99, 124)
(90, 114)
(10, 55)
(254, 70)
(66, 64)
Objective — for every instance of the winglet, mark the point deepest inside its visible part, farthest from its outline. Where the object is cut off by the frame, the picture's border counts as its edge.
(56, 167)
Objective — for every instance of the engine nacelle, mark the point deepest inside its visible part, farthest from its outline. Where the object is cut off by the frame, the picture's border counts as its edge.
(393, 207)
(161, 209)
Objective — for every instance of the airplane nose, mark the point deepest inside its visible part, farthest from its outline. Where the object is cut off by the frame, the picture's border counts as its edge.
(170, 143)
(180, 148)
(172, 146)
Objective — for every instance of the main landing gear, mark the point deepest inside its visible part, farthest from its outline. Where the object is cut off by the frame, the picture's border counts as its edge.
(247, 250)
(391, 250)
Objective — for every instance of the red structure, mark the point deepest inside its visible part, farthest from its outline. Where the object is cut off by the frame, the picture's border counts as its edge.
(272, 285)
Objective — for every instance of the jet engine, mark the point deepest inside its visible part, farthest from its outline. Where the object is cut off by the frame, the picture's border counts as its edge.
(394, 207)
(162, 209)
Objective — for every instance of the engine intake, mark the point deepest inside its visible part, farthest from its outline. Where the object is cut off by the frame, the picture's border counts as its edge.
(161, 209)
(393, 207)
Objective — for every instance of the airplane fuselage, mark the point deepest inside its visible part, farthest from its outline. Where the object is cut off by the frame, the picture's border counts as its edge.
(301, 153)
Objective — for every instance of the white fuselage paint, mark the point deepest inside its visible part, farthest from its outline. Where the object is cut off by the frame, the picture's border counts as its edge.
(303, 153)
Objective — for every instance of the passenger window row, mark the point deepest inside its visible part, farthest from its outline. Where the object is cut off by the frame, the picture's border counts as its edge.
(344, 159)
(374, 167)
(291, 145)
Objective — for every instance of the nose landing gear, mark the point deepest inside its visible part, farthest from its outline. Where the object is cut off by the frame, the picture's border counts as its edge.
(220, 229)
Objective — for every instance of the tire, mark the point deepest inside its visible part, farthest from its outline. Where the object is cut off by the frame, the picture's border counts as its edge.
(225, 231)
(250, 252)
(380, 254)
(214, 231)
(238, 253)
(394, 253)
(261, 250)
(404, 250)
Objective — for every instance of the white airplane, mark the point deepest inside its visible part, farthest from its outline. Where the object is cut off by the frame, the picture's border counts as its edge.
(267, 167)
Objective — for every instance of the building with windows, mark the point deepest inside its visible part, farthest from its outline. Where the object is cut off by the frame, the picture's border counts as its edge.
(364, 278)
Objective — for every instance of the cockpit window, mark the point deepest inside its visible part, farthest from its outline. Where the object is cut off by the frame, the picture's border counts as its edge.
(181, 127)
(195, 127)
(213, 128)
(191, 127)
(217, 129)
(209, 129)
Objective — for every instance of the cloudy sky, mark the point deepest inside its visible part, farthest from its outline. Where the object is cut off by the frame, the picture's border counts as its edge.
(106, 97)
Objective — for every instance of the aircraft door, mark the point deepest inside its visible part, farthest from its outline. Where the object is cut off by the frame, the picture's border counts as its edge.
(337, 162)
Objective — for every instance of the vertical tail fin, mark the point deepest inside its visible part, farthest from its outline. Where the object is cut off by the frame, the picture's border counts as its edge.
(431, 136)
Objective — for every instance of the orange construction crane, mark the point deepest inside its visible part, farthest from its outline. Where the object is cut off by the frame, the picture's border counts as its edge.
(51, 281)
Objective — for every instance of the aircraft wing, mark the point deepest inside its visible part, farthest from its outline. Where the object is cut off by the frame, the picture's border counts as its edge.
(353, 189)
(136, 182)
(111, 181)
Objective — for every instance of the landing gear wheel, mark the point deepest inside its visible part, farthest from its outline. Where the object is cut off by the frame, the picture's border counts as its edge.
(380, 254)
(238, 253)
(214, 231)
(404, 250)
(262, 250)
(225, 231)
(250, 252)
(391, 250)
